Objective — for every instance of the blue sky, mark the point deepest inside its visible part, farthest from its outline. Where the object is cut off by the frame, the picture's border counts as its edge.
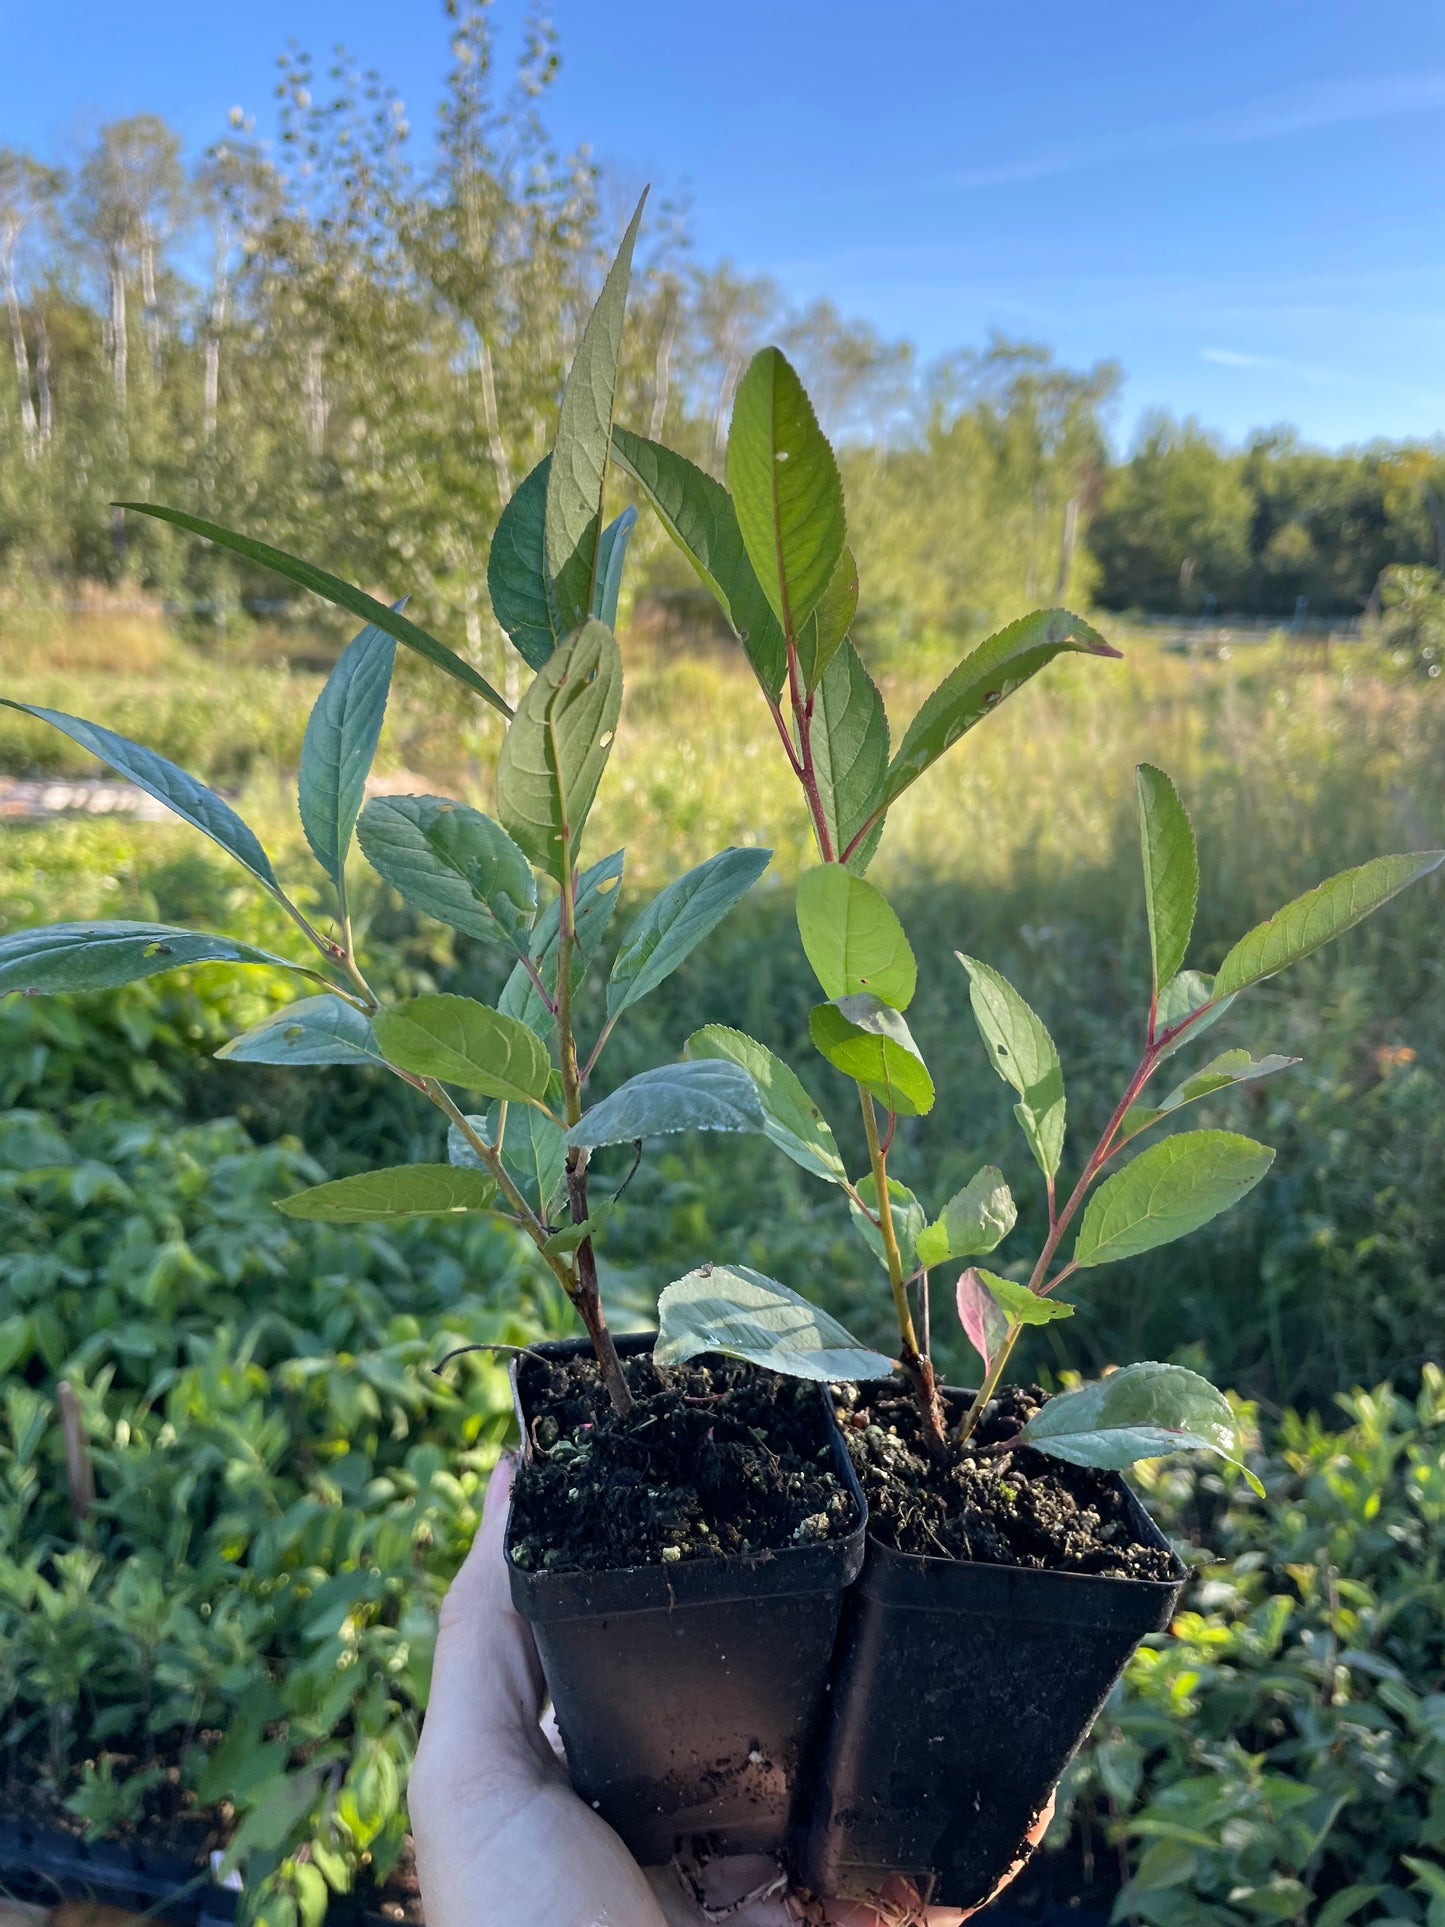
(1238, 199)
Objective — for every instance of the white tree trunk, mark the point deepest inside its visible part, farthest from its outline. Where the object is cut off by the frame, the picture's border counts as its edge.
(28, 428)
(316, 410)
(119, 356)
(662, 377)
(495, 443)
(42, 377)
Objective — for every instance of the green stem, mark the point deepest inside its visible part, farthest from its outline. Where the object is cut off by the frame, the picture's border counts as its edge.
(916, 1363)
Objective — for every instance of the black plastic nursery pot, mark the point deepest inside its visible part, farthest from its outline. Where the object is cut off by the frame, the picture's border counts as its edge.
(960, 1693)
(687, 1695)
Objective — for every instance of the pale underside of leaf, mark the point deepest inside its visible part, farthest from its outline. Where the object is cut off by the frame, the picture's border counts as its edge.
(342, 732)
(850, 755)
(315, 1030)
(1140, 1412)
(708, 1094)
(743, 1314)
(791, 1119)
(68, 957)
(451, 862)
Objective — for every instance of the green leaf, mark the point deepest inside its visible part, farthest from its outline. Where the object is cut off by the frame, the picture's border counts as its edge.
(1166, 1192)
(786, 488)
(578, 471)
(1018, 1304)
(791, 1119)
(1344, 1905)
(985, 1323)
(869, 1042)
(909, 1217)
(852, 937)
(1311, 920)
(709, 1095)
(1230, 1067)
(980, 683)
(974, 1221)
(463, 1042)
(1427, 1875)
(534, 1152)
(677, 920)
(850, 754)
(572, 1235)
(595, 902)
(698, 514)
(405, 1191)
(316, 1030)
(611, 556)
(167, 783)
(1141, 1412)
(740, 1313)
(68, 957)
(332, 589)
(342, 732)
(517, 569)
(826, 630)
(1181, 997)
(1023, 1054)
(452, 863)
(556, 749)
(1171, 871)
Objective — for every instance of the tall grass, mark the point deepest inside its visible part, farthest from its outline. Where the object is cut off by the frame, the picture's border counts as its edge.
(1021, 848)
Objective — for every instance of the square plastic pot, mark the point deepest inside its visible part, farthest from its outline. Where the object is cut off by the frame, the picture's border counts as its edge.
(687, 1695)
(960, 1693)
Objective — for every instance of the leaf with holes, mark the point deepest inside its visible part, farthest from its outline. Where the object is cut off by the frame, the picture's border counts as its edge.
(1141, 1412)
(1171, 871)
(853, 938)
(316, 1030)
(557, 746)
(676, 922)
(786, 488)
(1023, 1054)
(462, 1042)
(870, 1042)
(66, 957)
(742, 1314)
(332, 589)
(708, 1095)
(980, 683)
(452, 863)
(517, 570)
(791, 1119)
(850, 755)
(1331, 907)
(973, 1222)
(405, 1191)
(698, 514)
(578, 471)
(1167, 1191)
(181, 793)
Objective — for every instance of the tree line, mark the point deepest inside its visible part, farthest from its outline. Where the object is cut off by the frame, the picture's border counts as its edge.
(352, 344)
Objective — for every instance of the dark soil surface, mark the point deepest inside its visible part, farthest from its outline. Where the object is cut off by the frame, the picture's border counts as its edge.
(1009, 1509)
(720, 1458)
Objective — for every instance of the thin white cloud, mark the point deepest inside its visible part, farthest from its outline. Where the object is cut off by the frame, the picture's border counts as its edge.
(1301, 111)
(1233, 358)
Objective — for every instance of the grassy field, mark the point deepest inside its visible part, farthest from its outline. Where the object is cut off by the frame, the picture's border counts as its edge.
(1021, 848)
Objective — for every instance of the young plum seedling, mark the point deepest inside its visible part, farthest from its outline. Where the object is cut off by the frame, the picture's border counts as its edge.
(773, 549)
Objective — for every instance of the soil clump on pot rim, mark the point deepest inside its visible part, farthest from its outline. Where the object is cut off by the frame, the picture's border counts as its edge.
(1004, 1509)
(717, 1458)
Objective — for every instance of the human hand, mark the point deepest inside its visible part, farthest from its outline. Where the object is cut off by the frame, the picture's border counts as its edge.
(501, 1837)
